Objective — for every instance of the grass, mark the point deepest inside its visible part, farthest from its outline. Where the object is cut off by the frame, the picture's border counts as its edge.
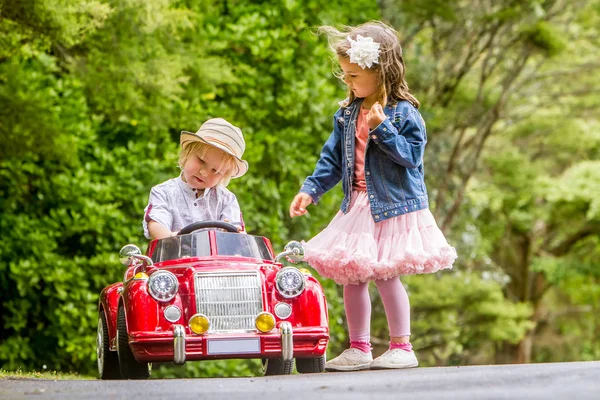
(48, 375)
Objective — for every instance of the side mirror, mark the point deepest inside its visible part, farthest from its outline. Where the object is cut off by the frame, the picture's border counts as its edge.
(131, 252)
(127, 252)
(293, 252)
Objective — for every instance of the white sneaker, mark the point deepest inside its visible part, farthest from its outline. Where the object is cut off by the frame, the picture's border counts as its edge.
(396, 358)
(350, 360)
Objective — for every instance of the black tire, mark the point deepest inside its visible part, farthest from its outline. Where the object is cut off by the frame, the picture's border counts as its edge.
(129, 366)
(108, 361)
(310, 365)
(276, 366)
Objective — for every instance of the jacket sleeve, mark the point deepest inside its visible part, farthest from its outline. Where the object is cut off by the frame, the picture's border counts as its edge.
(404, 142)
(328, 171)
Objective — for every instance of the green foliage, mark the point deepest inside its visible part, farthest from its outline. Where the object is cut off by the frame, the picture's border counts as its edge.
(92, 98)
(508, 90)
(94, 93)
(545, 38)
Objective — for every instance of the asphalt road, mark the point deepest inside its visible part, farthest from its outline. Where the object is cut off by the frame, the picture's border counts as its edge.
(573, 381)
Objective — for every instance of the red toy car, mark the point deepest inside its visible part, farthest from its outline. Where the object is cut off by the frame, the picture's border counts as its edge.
(211, 293)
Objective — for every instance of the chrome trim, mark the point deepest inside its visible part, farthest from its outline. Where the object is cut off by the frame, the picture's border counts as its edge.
(147, 259)
(178, 344)
(131, 252)
(100, 346)
(167, 311)
(293, 252)
(299, 290)
(287, 341)
(230, 300)
(283, 310)
(154, 277)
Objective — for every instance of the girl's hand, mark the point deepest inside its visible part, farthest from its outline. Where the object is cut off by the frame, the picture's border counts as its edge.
(375, 116)
(299, 204)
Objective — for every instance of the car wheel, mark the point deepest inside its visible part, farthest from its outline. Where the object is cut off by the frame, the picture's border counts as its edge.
(310, 365)
(108, 361)
(276, 366)
(130, 367)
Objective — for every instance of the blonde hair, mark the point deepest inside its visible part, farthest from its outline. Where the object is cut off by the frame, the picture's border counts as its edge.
(226, 168)
(390, 68)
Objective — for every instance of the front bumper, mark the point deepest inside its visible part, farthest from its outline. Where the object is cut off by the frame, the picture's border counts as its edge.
(179, 346)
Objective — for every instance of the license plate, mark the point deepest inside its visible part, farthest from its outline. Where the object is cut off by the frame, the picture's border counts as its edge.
(234, 346)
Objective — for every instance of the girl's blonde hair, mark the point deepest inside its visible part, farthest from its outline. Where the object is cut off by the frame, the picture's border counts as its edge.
(390, 68)
(226, 168)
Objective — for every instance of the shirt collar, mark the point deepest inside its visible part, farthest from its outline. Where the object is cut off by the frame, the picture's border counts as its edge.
(190, 190)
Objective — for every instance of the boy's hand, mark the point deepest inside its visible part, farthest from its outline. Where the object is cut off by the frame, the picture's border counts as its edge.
(375, 116)
(239, 228)
(299, 204)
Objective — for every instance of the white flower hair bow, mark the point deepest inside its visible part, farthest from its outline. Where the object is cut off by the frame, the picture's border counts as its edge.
(363, 51)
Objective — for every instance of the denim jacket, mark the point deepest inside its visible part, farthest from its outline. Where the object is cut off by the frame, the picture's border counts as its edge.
(393, 162)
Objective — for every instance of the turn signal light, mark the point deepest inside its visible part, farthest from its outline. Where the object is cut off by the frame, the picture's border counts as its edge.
(199, 324)
(265, 322)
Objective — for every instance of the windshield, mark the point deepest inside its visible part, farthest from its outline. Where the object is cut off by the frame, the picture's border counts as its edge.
(197, 244)
(236, 244)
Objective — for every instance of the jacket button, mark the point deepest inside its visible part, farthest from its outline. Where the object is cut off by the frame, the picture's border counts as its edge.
(368, 173)
(385, 129)
(377, 217)
(374, 136)
(385, 213)
(347, 112)
(349, 164)
(371, 196)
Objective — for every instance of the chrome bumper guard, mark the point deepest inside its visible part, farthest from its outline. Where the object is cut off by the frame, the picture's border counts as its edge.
(285, 329)
(178, 345)
(287, 341)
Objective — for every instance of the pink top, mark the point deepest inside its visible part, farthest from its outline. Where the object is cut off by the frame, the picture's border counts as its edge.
(362, 135)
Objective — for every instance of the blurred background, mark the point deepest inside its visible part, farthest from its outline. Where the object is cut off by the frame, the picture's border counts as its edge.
(94, 93)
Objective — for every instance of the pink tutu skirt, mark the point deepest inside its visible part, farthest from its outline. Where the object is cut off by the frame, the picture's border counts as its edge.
(354, 249)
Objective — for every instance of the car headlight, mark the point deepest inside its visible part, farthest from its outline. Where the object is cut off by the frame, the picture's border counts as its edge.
(289, 282)
(163, 285)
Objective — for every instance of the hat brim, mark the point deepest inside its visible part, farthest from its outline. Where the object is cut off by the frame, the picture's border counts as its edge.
(242, 165)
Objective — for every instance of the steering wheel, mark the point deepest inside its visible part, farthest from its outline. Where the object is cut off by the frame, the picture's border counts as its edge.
(208, 224)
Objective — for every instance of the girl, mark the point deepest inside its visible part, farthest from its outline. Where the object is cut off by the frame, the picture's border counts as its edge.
(384, 228)
(208, 159)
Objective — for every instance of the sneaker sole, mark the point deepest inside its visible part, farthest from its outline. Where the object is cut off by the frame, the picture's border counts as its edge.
(394, 366)
(346, 368)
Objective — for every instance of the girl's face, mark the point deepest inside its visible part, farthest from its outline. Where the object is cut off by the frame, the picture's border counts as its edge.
(362, 82)
(202, 172)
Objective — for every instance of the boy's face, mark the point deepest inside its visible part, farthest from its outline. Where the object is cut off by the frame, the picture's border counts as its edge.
(201, 172)
(362, 82)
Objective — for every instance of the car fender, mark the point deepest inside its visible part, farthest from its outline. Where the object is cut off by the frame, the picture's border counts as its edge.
(308, 309)
(108, 304)
(312, 302)
(141, 310)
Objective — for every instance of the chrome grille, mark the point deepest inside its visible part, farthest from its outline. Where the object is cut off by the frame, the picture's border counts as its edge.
(230, 300)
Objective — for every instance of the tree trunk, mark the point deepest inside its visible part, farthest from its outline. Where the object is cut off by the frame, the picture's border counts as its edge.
(520, 353)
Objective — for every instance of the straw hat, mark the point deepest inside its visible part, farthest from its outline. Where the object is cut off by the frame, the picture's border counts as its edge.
(224, 136)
